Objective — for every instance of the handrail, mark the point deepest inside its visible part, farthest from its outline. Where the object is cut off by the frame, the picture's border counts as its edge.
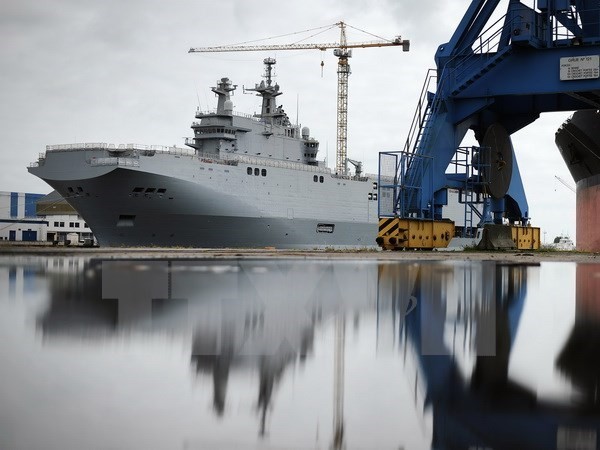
(212, 112)
(121, 147)
(114, 161)
(269, 162)
(486, 47)
(420, 111)
(79, 146)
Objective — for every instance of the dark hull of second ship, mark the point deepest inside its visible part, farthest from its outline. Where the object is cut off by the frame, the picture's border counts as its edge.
(578, 140)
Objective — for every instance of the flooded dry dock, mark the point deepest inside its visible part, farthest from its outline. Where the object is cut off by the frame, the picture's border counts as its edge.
(348, 350)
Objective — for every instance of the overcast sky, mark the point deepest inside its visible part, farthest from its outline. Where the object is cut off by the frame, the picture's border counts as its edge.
(119, 72)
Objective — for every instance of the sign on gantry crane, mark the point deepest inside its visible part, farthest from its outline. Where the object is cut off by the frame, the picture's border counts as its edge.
(343, 52)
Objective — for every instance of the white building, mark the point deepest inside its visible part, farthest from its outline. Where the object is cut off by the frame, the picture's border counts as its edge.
(41, 218)
(64, 224)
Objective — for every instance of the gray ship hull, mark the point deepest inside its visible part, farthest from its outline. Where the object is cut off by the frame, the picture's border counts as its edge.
(578, 140)
(202, 213)
(245, 181)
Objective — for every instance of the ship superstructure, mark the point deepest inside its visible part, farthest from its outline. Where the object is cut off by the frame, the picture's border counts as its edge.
(243, 181)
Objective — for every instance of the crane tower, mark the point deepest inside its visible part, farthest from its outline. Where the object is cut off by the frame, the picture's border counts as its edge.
(343, 53)
(343, 71)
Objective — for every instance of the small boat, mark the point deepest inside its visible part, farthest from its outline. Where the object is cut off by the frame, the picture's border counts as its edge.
(563, 243)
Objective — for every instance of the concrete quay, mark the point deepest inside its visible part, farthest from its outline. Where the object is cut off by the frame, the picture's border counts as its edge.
(514, 257)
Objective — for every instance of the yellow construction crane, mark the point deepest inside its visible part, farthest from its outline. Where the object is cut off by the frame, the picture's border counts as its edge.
(343, 51)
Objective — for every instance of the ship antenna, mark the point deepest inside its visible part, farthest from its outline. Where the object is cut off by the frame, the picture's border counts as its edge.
(207, 102)
(297, 107)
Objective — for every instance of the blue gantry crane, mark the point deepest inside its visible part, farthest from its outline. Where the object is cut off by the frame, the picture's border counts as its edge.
(493, 79)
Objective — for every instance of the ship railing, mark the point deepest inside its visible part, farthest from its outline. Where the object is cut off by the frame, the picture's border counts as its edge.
(121, 147)
(115, 161)
(257, 160)
(80, 146)
(364, 177)
(40, 161)
(213, 112)
(172, 150)
(349, 177)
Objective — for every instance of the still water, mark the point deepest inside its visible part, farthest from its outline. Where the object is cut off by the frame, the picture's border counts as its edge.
(295, 354)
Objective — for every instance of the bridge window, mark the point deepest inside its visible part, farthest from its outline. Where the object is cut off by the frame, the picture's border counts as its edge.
(249, 170)
(321, 179)
(256, 171)
(263, 172)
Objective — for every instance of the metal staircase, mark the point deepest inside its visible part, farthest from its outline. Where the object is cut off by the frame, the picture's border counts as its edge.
(473, 191)
(414, 164)
(429, 111)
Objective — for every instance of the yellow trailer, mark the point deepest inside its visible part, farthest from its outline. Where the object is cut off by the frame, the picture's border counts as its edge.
(399, 234)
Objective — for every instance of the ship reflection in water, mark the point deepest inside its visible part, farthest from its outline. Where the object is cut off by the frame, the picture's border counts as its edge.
(273, 354)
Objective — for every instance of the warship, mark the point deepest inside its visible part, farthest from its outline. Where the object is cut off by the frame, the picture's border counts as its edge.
(241, 181)
(578, 140)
